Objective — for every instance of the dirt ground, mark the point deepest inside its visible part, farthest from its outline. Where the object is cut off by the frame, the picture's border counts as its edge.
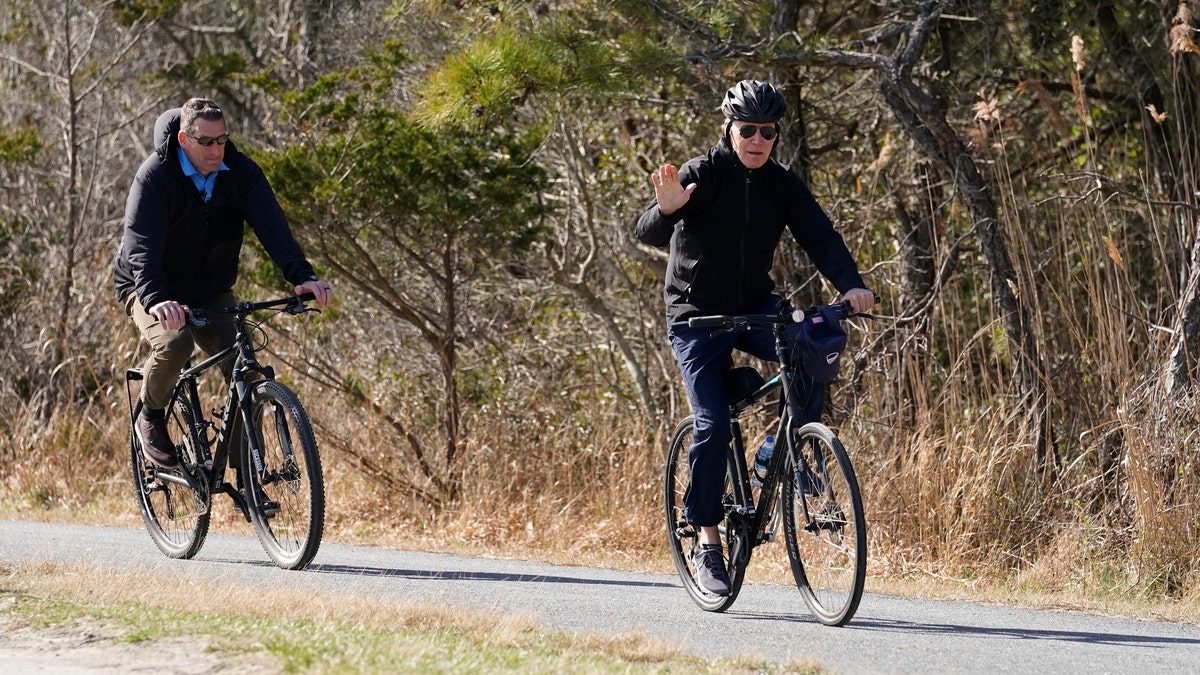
(92, 648)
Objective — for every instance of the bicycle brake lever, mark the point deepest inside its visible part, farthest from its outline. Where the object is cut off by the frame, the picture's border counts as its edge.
(295, 305)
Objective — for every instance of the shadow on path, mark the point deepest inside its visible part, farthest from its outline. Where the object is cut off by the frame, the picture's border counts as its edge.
(455, 575)
(1003, 632)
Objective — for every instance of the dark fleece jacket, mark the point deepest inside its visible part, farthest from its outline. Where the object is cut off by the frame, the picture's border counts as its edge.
(722, 242)
(177, 247)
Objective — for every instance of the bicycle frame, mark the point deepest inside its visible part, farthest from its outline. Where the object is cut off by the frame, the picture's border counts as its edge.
(744, 515)
(236, 413)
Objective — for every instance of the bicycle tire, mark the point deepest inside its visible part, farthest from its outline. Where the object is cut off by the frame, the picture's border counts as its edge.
(682, 539)
(291, 477)
(176, 517)
(828, 549)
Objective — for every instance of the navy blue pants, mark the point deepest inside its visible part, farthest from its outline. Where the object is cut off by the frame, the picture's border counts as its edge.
(704, 361)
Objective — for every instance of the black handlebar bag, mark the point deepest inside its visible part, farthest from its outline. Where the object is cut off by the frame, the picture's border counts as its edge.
(817, 344)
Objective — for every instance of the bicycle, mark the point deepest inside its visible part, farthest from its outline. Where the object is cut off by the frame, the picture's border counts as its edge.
(285, 498)
(810, 488)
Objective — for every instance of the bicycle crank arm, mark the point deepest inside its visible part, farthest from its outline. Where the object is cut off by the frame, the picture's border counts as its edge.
(238, 500)
(685, 531)
(186, 481)
(174, 479)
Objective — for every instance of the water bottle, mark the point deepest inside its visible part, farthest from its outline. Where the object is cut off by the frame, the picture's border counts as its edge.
(762, 458)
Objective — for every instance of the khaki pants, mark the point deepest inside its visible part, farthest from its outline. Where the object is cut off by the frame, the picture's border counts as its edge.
(170, 349)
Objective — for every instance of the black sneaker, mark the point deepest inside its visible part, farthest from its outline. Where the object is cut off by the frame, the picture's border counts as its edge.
(156, 443)
(709, 564)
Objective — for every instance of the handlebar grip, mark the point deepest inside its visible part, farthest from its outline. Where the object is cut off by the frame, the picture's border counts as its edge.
(706, 321)
(195, 317)
(309, 296)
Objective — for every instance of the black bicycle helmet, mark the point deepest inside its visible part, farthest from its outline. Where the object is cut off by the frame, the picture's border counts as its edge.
(753, 101)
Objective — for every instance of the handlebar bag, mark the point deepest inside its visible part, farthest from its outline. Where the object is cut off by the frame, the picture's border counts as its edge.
(817, 344)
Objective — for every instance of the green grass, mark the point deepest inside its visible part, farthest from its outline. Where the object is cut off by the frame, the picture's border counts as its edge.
(310, 632)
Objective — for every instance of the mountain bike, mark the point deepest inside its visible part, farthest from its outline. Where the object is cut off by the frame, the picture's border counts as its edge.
(278, 486)
(810, 489)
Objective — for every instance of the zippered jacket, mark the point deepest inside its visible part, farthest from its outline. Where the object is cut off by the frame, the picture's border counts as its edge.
(723, 240)
(177, 247)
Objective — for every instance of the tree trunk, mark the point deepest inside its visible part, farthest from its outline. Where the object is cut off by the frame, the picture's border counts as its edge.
(448, 353)
(1186, 127)
(927, 123)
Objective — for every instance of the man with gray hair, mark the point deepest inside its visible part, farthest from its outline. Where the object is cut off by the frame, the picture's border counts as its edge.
(722, 215)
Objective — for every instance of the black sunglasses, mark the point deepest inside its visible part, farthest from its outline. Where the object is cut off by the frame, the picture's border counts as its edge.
(224, 138)
(748, 130)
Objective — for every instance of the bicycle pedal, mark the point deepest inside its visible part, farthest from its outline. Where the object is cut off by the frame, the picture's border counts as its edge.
(685, 532)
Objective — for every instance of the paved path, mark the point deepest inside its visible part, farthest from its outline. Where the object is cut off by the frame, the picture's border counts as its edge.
(888, 635)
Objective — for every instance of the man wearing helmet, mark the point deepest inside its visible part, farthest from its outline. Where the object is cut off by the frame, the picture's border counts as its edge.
(722, 214)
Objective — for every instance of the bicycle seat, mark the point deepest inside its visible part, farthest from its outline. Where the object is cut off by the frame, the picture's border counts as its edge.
(743, 381)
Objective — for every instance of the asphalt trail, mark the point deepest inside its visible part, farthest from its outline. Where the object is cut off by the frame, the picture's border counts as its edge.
(888, 634)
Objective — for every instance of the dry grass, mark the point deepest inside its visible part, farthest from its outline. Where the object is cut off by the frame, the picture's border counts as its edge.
(294, 631)
(1088, 499)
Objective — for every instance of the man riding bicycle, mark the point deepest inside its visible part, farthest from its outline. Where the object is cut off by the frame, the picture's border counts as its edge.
(184, 220)
(722, 214)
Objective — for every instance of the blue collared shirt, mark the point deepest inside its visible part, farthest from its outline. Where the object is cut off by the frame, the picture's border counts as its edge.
(203, 184)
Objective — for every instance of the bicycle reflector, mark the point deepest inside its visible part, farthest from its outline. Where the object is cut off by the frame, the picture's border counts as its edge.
(817, 343)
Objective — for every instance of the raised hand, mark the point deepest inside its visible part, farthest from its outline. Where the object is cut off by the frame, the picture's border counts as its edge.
(670, 193)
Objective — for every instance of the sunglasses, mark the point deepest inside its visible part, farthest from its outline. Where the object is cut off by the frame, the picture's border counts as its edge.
(748, 131)
(219, 140)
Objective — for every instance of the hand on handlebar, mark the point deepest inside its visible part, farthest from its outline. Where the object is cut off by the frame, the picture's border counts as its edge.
(170, 314)
(322, 291)
(861, 300)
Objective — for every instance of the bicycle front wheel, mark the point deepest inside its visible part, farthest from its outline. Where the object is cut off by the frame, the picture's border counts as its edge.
(287, 502)
(824, 524)
(682, 537)
(176, 515)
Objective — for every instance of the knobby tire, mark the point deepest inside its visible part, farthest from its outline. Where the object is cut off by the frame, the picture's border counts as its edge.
(291, 478)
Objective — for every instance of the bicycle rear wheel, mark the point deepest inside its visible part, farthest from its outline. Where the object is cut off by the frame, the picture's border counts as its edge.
(824, 524)
(176, 516)
(287, 504)
(682, 537)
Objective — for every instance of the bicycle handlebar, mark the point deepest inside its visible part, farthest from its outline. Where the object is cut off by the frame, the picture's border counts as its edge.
(736, 322)
(292, 304)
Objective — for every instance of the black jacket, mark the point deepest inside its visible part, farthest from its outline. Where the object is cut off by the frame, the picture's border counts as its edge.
(177, 247)
(723, 240)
